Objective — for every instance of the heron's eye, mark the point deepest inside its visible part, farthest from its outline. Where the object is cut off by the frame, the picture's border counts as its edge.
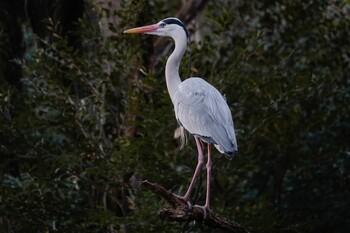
(162, 25)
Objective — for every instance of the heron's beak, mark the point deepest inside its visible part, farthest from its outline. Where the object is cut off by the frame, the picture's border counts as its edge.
(144, 29)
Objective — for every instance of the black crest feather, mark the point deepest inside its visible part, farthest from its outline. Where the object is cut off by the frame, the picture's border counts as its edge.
(178, 22)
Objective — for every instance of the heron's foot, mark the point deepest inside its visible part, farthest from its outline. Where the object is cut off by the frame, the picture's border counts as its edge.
(206, 210)
(185, 200)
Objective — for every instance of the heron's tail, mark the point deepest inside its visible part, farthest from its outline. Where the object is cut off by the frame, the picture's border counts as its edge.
(180, 132)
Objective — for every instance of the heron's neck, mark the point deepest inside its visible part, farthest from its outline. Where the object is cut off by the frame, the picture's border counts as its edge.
(172, 66)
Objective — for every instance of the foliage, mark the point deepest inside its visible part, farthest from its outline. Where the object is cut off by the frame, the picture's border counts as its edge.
(88, 124)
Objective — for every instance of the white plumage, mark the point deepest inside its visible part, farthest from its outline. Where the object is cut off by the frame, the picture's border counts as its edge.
(203, 112)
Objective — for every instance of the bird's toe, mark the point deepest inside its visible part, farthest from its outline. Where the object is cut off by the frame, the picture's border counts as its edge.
(185, 201)
(205, 209)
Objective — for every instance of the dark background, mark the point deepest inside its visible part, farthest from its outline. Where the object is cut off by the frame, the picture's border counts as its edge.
(85, 115)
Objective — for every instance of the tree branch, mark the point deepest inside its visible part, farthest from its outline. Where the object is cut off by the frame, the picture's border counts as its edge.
(181, 213)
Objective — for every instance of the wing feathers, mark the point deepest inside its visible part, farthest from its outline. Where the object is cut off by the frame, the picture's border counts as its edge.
(203, 111)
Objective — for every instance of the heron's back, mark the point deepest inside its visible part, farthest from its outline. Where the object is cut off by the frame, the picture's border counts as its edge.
(203, 111)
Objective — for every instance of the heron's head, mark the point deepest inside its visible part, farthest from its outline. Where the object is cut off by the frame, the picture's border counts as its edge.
(171, 27)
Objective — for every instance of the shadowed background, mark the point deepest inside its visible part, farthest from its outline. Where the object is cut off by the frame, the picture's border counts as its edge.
(85, 114)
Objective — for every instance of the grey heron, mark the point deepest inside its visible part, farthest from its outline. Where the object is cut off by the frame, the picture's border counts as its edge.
(199, 107)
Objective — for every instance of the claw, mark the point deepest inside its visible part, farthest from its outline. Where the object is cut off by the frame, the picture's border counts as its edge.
(185, 200)
(205, 209)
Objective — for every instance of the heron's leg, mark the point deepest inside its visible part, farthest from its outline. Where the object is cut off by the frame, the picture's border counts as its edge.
(187, 196)
(208, 166)
(206, 207)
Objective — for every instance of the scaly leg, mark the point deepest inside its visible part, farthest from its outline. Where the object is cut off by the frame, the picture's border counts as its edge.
(206, 207)
(187, 196)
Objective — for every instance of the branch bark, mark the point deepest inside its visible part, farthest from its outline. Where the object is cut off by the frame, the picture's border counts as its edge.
(181, 213)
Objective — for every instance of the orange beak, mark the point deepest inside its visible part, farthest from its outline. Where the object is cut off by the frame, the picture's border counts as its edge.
(149, 28)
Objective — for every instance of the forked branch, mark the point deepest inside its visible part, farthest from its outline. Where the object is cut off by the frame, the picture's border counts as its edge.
(180, 211)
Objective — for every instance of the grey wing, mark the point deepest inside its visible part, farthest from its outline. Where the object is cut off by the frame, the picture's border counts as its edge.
(203, 111)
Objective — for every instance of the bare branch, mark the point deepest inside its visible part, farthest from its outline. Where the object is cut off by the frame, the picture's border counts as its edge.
(181, 213)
